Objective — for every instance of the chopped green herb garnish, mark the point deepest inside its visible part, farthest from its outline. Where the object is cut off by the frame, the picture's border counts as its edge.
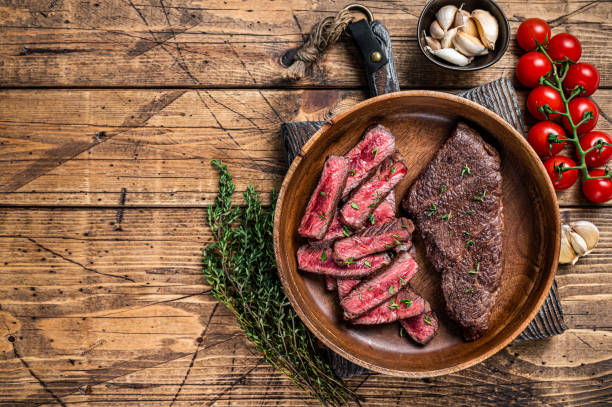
(352, 171)
(373, 204)
(393, 304)
(354, 205)
(402, 281)
(427, 320)
(346, 231)
(401, 332)
(379, 177)
(466, 233)
(407, 302)
(450, 234)
(469, 212)
(466, 170)
(432, 209)
(469, 243)
(387, 245)
(360, 297)
(446, 216)
(375, 151)
(370, 289)
(367, 263)
(481, 196)
(442, 189)
(469, 290)
(322, 216)
(324, 255)
(349, 261)
(477, 269)
(385, 263)
(397, 242)
(371, 219)
(323, 194)
(395, 235)
(392, 170)
(404, 226)
(386, 178)
(391, 291)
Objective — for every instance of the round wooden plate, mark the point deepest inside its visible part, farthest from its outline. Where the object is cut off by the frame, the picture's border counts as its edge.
(421, 121)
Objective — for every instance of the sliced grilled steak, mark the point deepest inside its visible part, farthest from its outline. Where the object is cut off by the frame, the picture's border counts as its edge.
(421, 328)
(324, 200)
(331, 284)
(405, 304)
(380, 287)
(374, 239)
(345, 287)
(319, 261)
(456, 204)
(364, 200)
(377, 144)
(385, 211)
(335, 231)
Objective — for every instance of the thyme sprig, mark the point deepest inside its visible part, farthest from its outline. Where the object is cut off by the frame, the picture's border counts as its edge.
(241, 270)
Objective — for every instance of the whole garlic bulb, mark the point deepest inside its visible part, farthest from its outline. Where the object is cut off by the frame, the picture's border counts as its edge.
(577, 240)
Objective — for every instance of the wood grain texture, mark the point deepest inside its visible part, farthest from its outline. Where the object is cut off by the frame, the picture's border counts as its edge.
(91, 338)
(235, 43)
(82, 147)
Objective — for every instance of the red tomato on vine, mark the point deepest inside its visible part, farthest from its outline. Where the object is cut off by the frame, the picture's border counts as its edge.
(531, 67)
(563, 46)
(577, 109)
(544, 95)
(602, 152)
(561, 179)
(598, 190)
(531, 30)
(582, 74)
(546, 138)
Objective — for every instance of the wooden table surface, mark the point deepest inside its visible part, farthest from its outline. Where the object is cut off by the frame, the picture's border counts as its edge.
(110, 113)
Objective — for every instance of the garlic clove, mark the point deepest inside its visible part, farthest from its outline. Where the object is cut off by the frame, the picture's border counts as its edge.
(488, 28)
(468, 45)
(447, 41)
(587, 231)
(433, 43)
(566, 254)
(450, 55)
(446, 16)
(461, 17)
(469, 27)
(436, 30)
(578, 244)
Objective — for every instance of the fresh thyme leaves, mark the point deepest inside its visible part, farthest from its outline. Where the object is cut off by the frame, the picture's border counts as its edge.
(469, 212)
(475, 271)
(432, 209)
(404, 226)
(402, 281)
(346, 231)
(352, 171)
(468, 290)
(239, 266)
(323, 194)
(481, 196)
(466, 233)
(367, 263)
(395, 235)
(392, 170)
(360, 296)
(375, 151)
(446, 216)
(407, 302)
(391, 291)
(372, 219)
(349, 261)
(354, 205)
(450, 234)
(322, 216)
(427, 320)
(469, 243)
(393, 304)
(442, 189)
(466, 170)
(324, 255)
(370, 289)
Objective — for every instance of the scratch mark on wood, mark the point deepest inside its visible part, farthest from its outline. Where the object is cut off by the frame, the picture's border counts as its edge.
(234, 383)
(229, 44)
(195, 354)
(564, 18)
(57, 156)
(181, 63)
(24, 51)
(35, 376)
(69, 260)
(270, 105)
(119, 217)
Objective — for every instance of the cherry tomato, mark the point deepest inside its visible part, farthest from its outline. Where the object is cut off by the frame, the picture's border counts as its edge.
(546, 138)
(530, 67)
(577, 108)
(564, 45)
(602, 153)
(582, 74)
(544, 95)
(530, 30)
(553, 166)
(597, 190)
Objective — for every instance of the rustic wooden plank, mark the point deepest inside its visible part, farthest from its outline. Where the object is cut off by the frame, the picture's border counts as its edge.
(237, 43)
(83, 147)
(71, 332)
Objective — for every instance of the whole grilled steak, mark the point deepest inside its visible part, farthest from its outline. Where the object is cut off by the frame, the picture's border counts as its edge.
(380, 287)
(421, 328)
(456, 204)
(323, 202)
(374, 239)
(405, 304)
(371, 192)
(319, 261)
(377, 144)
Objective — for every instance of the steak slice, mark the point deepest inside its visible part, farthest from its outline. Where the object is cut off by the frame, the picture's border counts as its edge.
(456, 204)
(324, 200)
(335, 231)
(345, 287)
(376, 144)
(319, 261)
(405, 304)
(385, 211)
(374, 239)
(380, 287)
(421, 328)
(364, 200)
(331, 284)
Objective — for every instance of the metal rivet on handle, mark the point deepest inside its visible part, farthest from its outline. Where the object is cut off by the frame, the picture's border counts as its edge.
(376, 56)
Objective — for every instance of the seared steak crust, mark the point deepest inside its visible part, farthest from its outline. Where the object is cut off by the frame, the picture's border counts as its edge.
(456, 204)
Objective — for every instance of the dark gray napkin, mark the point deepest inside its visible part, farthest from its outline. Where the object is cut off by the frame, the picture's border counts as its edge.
(498, 96)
